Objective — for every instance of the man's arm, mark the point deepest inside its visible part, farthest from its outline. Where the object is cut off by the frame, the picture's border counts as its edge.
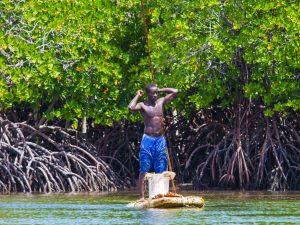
(134, 106)
(171, 94)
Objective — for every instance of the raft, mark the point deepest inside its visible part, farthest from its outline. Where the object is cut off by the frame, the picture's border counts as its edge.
(168, 202)
(160, 197)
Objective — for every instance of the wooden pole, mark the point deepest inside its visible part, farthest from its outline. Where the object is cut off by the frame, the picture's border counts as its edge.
(153, 80)
(147, 40)
(170, 169)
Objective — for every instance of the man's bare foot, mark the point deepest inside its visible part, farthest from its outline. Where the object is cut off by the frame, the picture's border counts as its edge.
(142, 200)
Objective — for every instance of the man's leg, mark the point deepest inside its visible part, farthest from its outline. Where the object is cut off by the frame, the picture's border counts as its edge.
(145, 163)
(160, 158)
(142, 185)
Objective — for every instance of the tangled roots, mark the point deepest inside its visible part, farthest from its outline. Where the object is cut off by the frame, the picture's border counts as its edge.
(50, 159)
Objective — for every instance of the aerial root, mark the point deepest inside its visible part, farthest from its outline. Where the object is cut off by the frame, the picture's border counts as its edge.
(49, 160)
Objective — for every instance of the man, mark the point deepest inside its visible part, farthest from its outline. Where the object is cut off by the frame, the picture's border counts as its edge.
(153, 145)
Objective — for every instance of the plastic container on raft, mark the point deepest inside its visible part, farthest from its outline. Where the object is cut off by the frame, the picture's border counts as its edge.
(159, 183)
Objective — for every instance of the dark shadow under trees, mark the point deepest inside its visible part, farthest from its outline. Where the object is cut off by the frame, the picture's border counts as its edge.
(237, 148)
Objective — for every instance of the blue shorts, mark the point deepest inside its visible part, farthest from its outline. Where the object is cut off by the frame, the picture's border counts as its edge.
(153, 152)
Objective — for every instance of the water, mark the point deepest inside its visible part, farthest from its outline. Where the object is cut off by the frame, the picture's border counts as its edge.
(95, 208)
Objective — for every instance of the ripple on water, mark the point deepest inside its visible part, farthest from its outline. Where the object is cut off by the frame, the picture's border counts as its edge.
(220, 208)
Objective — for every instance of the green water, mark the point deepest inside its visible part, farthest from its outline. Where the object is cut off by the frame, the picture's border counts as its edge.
(93, 208)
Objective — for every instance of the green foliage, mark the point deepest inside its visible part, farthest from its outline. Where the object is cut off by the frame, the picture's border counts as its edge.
(74, 55)
(219, 52)
(88, 58)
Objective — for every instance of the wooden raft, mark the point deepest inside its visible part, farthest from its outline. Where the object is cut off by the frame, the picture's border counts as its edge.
(168, 202)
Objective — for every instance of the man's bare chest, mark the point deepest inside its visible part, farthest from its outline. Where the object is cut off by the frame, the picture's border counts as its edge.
(153, 111)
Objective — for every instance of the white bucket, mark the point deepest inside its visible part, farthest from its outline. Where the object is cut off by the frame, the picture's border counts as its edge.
(159, 183)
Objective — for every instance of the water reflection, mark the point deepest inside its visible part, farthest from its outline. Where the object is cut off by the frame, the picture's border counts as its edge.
(94, 208)
(170, 216)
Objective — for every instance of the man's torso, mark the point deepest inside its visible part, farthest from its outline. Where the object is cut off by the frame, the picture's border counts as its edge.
(153, 118)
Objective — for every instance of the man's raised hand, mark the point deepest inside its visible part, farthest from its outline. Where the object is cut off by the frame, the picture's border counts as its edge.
(140, 93)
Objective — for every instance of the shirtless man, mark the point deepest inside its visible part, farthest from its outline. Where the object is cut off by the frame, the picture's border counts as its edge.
(153, 145)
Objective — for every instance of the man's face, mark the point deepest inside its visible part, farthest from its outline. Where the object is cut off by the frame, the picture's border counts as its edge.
(152, 94)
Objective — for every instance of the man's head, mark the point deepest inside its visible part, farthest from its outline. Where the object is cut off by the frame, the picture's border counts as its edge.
(152, 92)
